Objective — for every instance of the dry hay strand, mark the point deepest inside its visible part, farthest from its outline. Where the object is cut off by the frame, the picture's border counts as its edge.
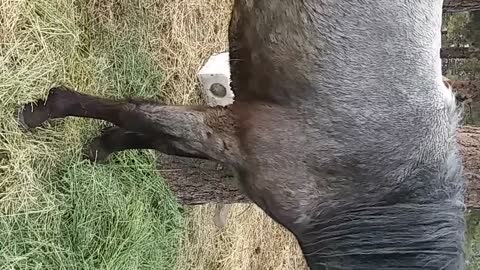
(189, 31)
(9, 16)
(250, 240)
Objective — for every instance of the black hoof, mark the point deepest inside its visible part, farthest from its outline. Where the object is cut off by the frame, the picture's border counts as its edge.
(33, 115)
(95, 152)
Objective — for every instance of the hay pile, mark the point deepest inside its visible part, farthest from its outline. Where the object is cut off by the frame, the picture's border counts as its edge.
(188, 32)
(251, 240)
(56, 210)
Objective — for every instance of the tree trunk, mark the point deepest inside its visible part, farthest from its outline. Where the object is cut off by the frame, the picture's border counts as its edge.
(460, 52)
(469, 140)
(198, 182)
(451, 6)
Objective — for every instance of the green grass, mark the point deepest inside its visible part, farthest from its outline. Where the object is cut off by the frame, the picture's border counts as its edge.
(56, 210)
(103, 217)
(473, 238)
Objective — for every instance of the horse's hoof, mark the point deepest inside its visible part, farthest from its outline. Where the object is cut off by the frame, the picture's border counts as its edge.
(94, 152)
(33, 115)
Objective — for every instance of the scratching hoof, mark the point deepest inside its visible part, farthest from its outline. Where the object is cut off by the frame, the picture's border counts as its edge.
(33, 115)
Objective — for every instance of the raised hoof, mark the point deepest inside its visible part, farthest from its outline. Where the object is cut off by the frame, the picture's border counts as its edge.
(33, 115)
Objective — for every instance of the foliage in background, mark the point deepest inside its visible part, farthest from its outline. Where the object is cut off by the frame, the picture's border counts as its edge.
(456, 29)
(473, 238)
(463, 30)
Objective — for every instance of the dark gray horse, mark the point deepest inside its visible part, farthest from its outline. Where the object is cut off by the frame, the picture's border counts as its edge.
(342, 130)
